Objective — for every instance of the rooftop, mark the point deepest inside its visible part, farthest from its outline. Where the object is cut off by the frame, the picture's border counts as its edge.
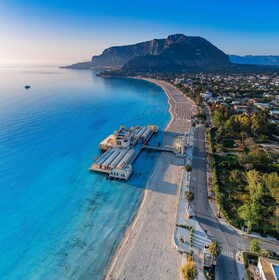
(270, 268)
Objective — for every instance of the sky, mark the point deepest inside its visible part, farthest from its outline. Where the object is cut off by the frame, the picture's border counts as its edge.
(62, 32)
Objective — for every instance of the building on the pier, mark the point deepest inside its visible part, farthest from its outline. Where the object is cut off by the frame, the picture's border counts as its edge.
(123, 137)
(120, 173)
(122, 148)
(180, 146)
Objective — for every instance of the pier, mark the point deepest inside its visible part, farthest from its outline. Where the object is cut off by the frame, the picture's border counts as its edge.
(160, 149)
(124, 146)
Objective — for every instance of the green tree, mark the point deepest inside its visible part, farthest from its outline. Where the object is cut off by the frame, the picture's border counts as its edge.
(251, 214)
(189, 270)
(255, 186)
(229, 127)
(218, 119)
(215, 250)
(244, 122)
(259, 123)
(272, 183)
(255, 246)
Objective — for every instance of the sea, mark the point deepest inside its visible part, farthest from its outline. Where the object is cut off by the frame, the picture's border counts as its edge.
(57, 219)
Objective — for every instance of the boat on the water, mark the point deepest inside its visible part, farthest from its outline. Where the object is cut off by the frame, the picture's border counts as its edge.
(27, 87)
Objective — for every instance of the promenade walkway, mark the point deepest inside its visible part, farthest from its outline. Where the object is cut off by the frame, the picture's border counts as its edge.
(182, 234)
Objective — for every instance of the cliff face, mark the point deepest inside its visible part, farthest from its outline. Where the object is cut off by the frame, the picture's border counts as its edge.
(118, 56)
(176, 52)
(255, 59)
(181, 52)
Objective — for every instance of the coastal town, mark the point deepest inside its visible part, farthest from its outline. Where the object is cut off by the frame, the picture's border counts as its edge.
(147, 136)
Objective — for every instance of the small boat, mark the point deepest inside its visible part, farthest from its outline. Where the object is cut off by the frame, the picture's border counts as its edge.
(27, 87)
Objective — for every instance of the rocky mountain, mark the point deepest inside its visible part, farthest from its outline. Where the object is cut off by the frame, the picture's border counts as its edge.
(175, 52)
(181, 52)
(255, 59)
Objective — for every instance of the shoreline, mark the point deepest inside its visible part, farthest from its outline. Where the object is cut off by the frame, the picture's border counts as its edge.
(130, 230)
(169, 96)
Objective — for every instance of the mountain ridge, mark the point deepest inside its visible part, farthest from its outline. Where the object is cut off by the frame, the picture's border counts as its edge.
(175, 53)
(175, 50)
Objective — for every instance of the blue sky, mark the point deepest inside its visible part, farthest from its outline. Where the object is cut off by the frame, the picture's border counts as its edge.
(65, 31)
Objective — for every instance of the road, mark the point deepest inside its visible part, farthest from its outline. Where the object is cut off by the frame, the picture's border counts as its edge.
(216, 231)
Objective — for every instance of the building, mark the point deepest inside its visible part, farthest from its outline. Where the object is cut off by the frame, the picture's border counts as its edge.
(124, 138)
(274, 114)
(120, 173)
(122, 148)
(207, 95)
(268, 268)
(180, 145)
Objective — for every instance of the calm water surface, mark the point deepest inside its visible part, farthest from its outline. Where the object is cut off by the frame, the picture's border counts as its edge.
(57, 220)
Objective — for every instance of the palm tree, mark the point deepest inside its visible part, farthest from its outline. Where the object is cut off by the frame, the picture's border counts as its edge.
(189, 196)
(214, 249)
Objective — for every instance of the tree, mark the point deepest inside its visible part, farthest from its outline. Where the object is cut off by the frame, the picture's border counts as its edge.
(188, 168)
(236, 176)
(254, 246)
(215, 249)
(255, 185)
(272, 183)
(259, 122)
(260, 206)
(189, 270)
(229, 127)
(219, 148)
(189, 196)
(218, 119)
(264, 252)
(251, 214)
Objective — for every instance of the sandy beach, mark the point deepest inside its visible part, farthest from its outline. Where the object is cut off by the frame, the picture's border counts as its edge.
(147, 250)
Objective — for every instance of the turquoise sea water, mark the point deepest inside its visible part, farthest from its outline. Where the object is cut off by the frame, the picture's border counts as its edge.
(57, 220)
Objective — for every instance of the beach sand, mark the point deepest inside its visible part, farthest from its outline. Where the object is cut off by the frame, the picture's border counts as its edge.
(147, 250)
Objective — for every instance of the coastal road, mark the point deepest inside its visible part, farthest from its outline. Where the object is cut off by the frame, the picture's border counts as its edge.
(227, 265)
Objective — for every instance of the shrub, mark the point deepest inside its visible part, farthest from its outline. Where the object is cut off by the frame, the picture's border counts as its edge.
(189, 270)
(183, 226)
(245, 260)
(248, 275)
(254, 246)
(188, 168)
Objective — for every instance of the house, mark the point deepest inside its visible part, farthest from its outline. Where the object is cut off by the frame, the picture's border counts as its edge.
(274, 114)
(262, 106)
(207, 95)
(268, 268)
(240, 108)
